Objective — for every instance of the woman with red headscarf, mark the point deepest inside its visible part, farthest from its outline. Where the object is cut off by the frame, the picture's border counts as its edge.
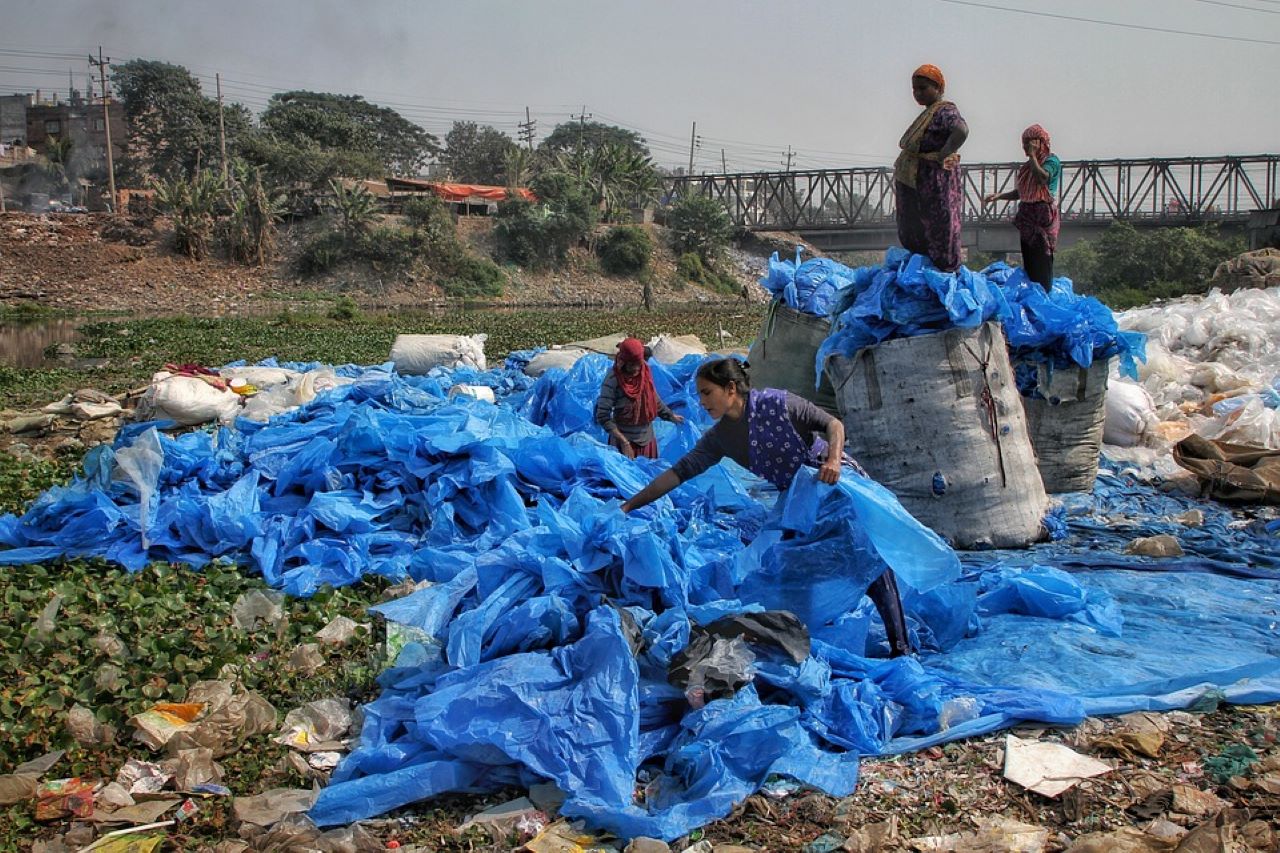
(1036, 193)
(628, 403)
(926, 182)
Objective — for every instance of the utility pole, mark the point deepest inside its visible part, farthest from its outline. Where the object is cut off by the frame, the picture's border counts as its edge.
(790, 155)
(527, 129)
(106, 121)
(693, 142)
(724, 165)
(222, 133)
(582, 124)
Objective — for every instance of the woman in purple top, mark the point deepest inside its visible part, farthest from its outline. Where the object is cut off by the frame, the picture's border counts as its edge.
(926, 181)
(770, 433)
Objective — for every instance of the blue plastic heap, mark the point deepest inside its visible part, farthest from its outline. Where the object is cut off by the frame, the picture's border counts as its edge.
(544, 638)
(907, 296)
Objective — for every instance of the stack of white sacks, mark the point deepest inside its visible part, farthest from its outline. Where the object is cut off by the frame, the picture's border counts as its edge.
(1213, 368)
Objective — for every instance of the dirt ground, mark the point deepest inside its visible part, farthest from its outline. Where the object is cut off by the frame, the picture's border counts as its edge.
(92, 262)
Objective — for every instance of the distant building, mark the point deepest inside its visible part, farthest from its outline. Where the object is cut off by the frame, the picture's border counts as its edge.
(81, 120)
(13, 119)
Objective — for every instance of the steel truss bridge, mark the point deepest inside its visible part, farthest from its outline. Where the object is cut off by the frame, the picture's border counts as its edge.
(853, 208)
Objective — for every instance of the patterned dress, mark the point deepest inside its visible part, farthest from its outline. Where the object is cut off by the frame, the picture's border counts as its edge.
(929, 213)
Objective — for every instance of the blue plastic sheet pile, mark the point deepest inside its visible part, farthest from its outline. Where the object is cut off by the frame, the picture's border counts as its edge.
(812, 286)
(547, 622)
(907, 296)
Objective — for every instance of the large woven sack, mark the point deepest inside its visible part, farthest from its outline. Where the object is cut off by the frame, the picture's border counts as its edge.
(782, 355)
(1065, 423)
(415, 355)
(1130, 413)
(938, 420)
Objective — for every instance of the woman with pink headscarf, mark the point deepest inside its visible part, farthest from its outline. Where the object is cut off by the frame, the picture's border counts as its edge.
(629, 404)
(1036, 192)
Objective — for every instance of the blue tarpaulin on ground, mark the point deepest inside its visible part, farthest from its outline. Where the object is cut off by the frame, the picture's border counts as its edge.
(551, 618)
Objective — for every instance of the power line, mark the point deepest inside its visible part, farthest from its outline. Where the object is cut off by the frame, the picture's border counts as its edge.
(1107, 23)
(1238, 6)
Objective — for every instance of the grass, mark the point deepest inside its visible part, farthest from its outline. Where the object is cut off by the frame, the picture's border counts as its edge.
(134, 349)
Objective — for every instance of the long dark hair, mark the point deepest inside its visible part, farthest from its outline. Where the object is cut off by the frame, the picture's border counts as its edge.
(723, 371)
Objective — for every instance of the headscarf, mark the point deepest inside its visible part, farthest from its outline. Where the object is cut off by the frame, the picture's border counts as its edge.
(638, 386)
(931, 72)
(1030, 185)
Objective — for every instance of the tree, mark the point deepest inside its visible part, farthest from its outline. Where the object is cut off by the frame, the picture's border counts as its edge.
(357, 207)
(590, 135)
(699, 226)
(618, 177)
(320, 120)
(173, 127)
(58, 152)
(477, 154)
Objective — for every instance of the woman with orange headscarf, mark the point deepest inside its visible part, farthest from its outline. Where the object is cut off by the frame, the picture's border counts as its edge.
(629, 404)
(926, 181)
(1036, 192)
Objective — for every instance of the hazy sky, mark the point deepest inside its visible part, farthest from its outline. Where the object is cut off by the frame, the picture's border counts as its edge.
(830, 79)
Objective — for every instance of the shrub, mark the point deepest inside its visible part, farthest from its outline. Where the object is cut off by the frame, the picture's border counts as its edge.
(541, 234)
(625, 250)
(430, 218)
(1126, 263)
(322, 254)
(700, 225)
(470, 276)
(690, 267)
(393, 248)
(344, 308)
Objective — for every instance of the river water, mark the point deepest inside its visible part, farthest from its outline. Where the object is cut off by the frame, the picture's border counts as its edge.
(24, 343)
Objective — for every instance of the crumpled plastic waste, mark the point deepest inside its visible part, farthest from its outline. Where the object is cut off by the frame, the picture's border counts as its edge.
(907, 295)
(317, 726)
(62, 797)
(812, 287)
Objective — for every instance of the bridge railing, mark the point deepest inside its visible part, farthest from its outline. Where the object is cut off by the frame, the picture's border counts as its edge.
(1170, 190)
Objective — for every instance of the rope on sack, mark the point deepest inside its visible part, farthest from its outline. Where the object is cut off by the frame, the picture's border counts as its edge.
(988, 400)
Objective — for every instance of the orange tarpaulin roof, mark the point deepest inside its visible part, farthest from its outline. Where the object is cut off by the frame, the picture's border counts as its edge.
(460, 192)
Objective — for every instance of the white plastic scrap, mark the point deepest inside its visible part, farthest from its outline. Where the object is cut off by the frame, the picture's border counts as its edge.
(1047, 768)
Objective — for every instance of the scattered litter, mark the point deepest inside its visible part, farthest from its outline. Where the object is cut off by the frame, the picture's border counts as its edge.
(1047, 768)
(231, 716)
(1129, 839)
(565, 837)
(187, 810)
(518, 815)
(324, 760)
(196, 767)
(1234, 760)
(992, 834)
(547, 796)
(22, 782)
(257, 610)
(86, 729)
(62, 797)
(158, 724)
(1138, 734)
(1163, 545)
(270, 806)
(1192, 801)
(337, 632)
(318, 726)
(141, 813)
(142, 777)
(129, 840)
(306, 658)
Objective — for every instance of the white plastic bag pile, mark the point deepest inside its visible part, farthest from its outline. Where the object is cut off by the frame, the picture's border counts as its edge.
(1213, 368)
(191, 401)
